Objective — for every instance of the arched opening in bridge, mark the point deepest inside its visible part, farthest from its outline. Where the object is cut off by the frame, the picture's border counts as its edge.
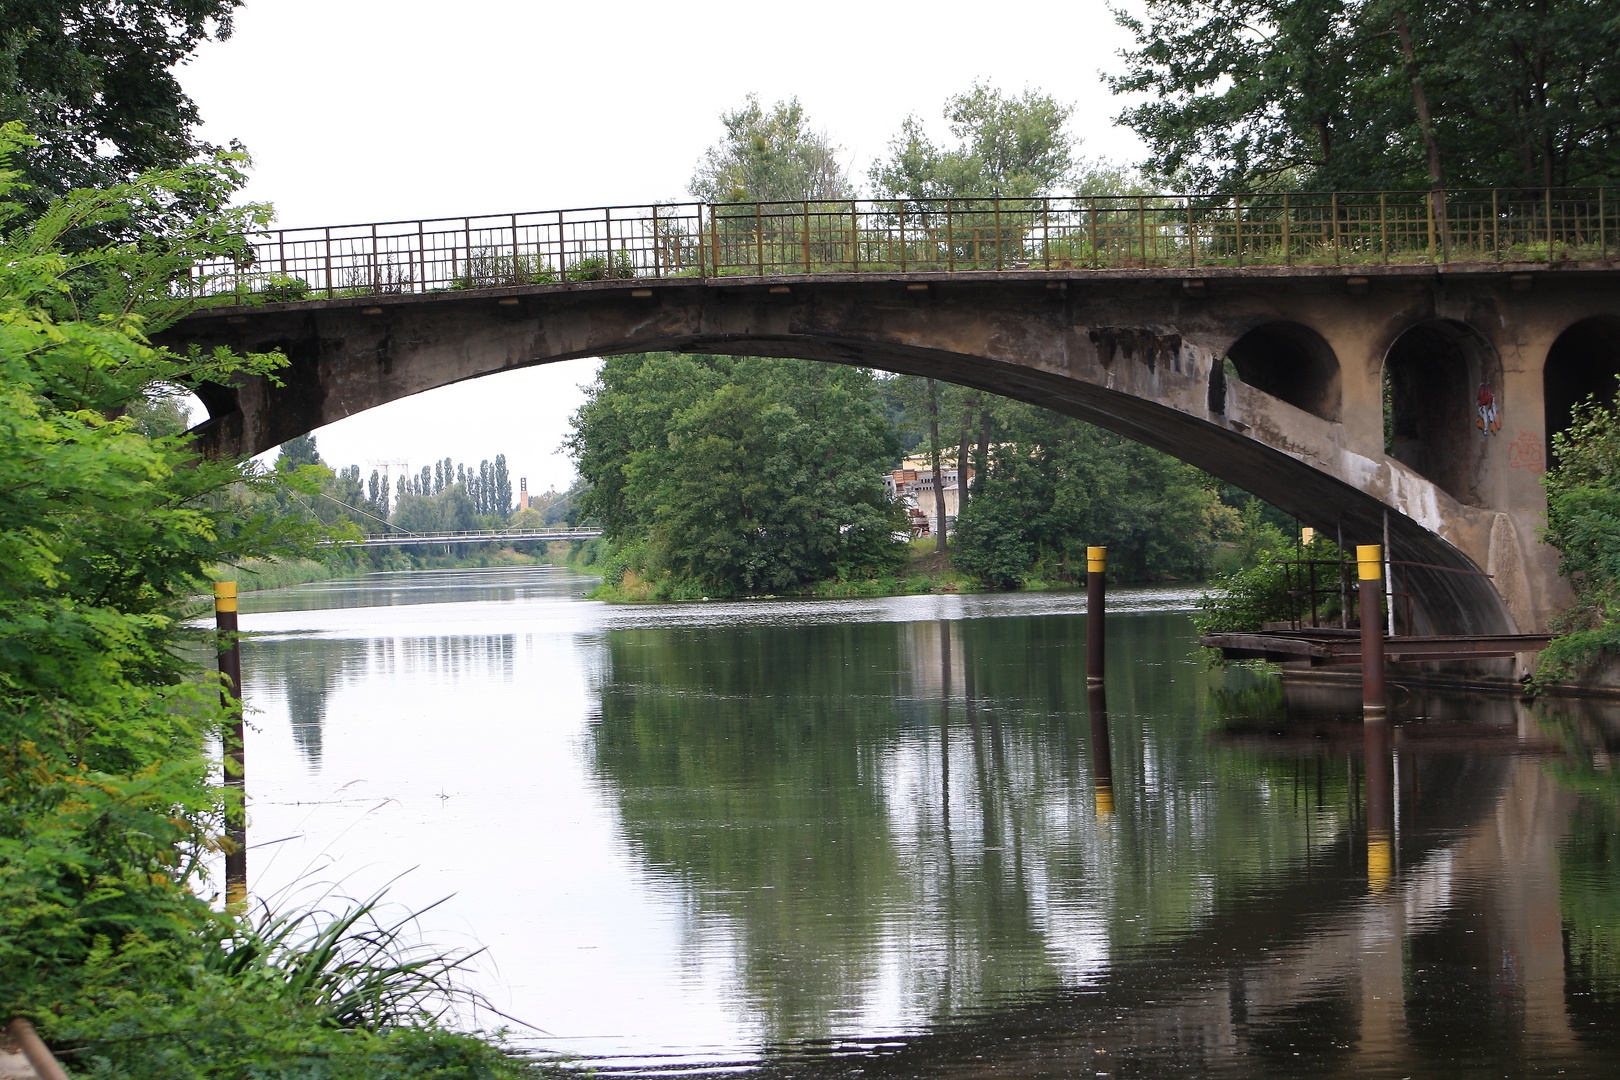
(1441, 407)
(1582, 363)
(1292, 363)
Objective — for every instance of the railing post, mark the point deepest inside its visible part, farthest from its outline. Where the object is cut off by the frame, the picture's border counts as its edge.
(995, 210)
(1192, 236)
(1370, 571)
(854, 237)
(1333, 209)
(1603, 233)
(1383, 225)
(1496, 227)
(759, 237)
(607, 236)
(714, 239)
(699, 230)
(657, 245)
(515, 273)
(806, 237)
(421, 253)
(326, 247)
(1550, 246)
(950, 240)
(1096, 249)
(1096, 600)
(1237, 219)
(1046, 231)
(902, 206)
(1287, 238)
(233, 751)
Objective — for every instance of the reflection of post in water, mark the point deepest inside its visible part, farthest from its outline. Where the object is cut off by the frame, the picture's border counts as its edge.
(1102, 759)
(1380, 788)
(234, 756)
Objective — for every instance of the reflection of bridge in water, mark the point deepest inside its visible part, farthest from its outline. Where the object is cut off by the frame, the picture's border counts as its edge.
(1425, 939)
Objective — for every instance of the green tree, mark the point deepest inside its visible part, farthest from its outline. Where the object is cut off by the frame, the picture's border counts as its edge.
(770, 156)
(1056, 485)
(1583, 523)
(1251, 94)
(725, 475)
(94, 82)
(1011, 147)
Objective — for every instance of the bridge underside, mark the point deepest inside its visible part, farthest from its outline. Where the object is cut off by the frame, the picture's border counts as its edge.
(1275, 380)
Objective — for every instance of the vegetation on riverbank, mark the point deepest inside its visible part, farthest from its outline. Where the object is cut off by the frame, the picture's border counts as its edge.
(109, 805)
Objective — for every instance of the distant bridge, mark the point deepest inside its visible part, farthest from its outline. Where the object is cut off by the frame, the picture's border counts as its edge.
(476, 536)
(1366, 362)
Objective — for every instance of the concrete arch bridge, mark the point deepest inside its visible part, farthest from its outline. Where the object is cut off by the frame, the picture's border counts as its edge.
(1349, 358)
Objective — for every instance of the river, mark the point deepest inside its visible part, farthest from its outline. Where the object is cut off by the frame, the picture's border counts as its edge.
(896, 836)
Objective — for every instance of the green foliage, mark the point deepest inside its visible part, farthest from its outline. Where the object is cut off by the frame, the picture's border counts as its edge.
(1276, 588)
(737, 474)
(770, 157)
(1583, 523)
(1007, 146)
(1288, 93)
(95, 83)
(1056, 485)
(107, 531)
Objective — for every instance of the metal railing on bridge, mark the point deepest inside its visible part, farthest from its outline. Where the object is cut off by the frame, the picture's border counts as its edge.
(476, 536)
(888, 236)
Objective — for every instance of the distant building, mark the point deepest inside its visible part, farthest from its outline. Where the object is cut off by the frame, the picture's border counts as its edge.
(913, 484)
(523, 493)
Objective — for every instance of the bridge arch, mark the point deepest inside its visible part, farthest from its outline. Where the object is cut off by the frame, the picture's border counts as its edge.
(1438, 374)
(1291, 362)
(1583, 362)
(1138, 358)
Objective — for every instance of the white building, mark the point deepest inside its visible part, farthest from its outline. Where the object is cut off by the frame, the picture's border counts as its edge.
(913, 484)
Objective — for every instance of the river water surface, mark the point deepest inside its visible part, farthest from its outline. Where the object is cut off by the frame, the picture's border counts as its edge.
(898, 837)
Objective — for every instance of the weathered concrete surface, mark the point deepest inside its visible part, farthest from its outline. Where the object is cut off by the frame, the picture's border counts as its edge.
(1141, 353)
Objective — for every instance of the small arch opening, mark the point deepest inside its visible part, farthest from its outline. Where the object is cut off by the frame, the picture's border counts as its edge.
(1582, 363)
(1292, 363)
(1440, 405)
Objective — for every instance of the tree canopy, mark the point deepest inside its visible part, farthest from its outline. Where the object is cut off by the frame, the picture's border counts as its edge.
(1251, 94)
(94, 83)
(1006, 146)
(726, 475)
(770, 156)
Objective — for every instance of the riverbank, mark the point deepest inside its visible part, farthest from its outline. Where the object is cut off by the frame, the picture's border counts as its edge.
(258, 575)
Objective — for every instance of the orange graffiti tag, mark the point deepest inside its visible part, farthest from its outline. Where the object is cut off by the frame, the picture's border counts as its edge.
(1526, 453)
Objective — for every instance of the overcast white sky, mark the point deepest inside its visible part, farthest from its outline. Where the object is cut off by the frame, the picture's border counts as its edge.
(371, 110)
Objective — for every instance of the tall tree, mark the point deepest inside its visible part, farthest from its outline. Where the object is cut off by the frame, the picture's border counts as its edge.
(770, 156)
(1250, 94)
(94, 82)
(737, 474)
(1011, 147)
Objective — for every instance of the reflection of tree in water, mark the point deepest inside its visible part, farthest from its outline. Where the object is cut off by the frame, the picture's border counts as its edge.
(903, 816)
(307, 670)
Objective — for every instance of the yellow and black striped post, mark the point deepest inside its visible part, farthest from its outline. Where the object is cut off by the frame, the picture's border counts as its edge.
(1370, 571)
(1096, 589)
(230, 670)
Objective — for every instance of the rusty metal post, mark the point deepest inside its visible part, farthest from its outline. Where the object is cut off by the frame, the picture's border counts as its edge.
(234, 760)
(1096, 590)
(1380, 789)
(35, 1051)
(1370, 570)
(1102, 758)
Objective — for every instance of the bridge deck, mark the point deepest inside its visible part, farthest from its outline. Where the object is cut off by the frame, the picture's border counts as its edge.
(475, 537)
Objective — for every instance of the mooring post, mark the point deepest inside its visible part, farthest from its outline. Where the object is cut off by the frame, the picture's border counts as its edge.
(1370, 567)
(1096, 567)
(230, 670)
(1102, 758)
